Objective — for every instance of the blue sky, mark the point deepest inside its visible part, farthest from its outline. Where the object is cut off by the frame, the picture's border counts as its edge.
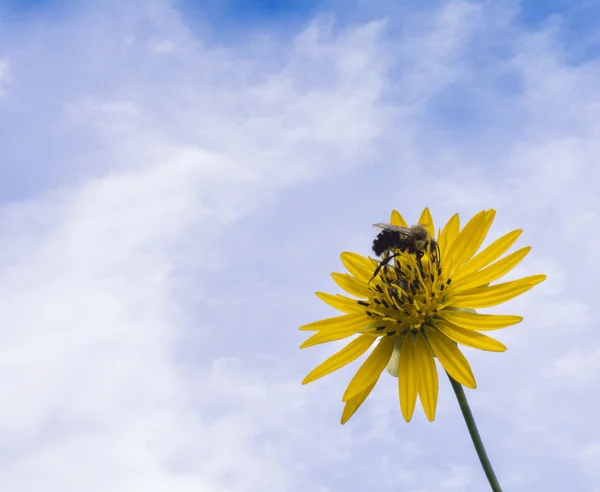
(177, 182)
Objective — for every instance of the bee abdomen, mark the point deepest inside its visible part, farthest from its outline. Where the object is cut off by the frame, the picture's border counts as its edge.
(384, 241)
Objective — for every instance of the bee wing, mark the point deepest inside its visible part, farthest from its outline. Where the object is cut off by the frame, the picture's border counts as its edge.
(388, 227)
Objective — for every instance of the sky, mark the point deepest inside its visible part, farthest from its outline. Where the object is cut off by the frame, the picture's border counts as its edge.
(177, 181)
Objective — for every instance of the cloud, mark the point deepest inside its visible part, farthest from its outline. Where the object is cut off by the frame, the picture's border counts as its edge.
(91, 269)
(579, 367)
(188, 198)
(4, 75)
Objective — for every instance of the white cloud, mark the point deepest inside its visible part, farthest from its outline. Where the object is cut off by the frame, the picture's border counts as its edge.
(98, 398)
(149, 300)
(4, 75)
(165, 46)
(579, 368)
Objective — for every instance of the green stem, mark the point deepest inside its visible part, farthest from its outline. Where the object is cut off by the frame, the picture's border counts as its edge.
(475, 437)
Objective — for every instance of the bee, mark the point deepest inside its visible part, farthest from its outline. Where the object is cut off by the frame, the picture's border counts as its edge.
(414, 240)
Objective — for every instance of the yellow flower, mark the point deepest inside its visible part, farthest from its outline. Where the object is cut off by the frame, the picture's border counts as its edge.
(418, 308)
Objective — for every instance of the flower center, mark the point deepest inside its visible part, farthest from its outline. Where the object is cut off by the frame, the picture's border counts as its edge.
(406, 294)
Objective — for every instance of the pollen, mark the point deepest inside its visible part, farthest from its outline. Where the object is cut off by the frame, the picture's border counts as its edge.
(406, 294)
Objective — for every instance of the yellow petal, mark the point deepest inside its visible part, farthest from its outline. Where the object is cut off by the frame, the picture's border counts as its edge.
(354, 404)
(336, 322)
(408, 378)
(451, 358)
(349, 353)
(449, 234)
(428, 378)
(371, 368)
(492, 272)
(480, 322)
(351, 285)
(489, 254)
(427, 222)
(469, 240)
(482, 297)
(358, 265)
(466, 239)
(341, 303)
(397, 219)
(470, 338)
(332, 334)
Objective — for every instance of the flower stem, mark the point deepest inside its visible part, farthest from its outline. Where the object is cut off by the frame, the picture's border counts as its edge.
(475, 437)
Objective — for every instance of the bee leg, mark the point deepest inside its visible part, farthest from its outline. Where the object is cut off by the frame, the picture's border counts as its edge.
(382, 263)
(379, 267)
(420, 255)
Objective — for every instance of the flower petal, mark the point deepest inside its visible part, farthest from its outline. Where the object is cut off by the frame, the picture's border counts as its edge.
(333, 334)
(451, 358)
(351, 285)
(469, 239)
(449, 234)
(336, 322)
(341, 303)
(426, 220)
(354, 404)
(482, 297)
(489, 254)
(428, 378)
(470, 338)
(480, 322)
(397, 219)
(492, 272)
(349, 353)
(371, 368)
(408, 378)
(358, 265)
